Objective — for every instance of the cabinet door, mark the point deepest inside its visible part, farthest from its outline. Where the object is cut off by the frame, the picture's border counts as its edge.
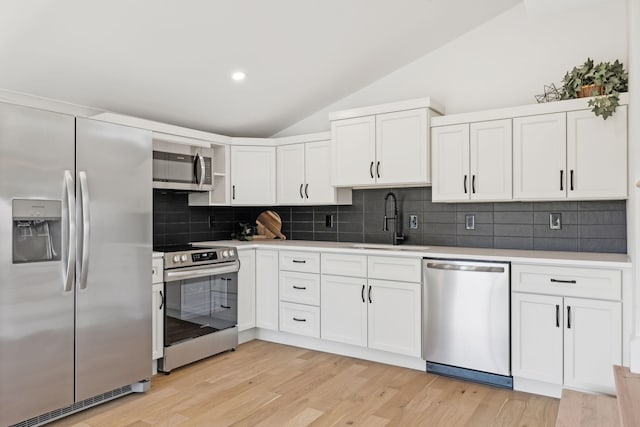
(247, 289)
(394, 317)
(318, 188)
(267, 289)
(402, 148)
(539, 157)
(253, 175)
(353, 151)
(592, 343)
(343, 312)
(491, 160)
(597, 155)
(291, 177)
(157, 321)
(450, 161)
(536, 337)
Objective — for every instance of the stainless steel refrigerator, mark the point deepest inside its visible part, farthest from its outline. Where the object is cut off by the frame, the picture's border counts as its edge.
(75, 251)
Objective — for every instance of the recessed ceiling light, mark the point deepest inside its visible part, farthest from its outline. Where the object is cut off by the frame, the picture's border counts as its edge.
(238, 76)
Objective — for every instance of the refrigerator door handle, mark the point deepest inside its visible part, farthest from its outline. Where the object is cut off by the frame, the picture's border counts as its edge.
(86, 229)
(71, 220)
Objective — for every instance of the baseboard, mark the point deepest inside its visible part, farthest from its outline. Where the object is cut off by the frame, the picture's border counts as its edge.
(341, 349)
(537, 387)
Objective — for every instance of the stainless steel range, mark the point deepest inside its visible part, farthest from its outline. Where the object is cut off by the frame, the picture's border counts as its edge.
(201, 303)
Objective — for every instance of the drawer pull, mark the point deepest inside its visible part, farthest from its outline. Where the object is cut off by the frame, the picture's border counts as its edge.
(225, 306)
(302, 288)
(299, 320)
(562, 281)
(299, 261)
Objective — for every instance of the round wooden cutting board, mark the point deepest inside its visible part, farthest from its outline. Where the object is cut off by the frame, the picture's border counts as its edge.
(269, 225)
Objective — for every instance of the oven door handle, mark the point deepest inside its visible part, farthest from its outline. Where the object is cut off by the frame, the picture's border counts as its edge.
(193, 273)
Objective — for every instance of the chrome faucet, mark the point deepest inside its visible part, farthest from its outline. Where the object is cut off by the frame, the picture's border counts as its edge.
(397, 235)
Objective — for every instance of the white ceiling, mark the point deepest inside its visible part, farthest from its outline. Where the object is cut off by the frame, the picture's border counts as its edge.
(171, 60)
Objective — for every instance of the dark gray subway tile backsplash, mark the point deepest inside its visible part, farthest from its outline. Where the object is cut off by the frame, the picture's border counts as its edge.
(598, 226)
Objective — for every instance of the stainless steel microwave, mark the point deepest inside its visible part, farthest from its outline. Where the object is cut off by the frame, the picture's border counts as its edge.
(182, 167)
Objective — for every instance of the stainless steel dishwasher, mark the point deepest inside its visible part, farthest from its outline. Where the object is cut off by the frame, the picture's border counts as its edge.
(466, 320)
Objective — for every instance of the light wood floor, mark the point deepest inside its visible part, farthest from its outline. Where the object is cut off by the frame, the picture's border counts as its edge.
(266, 384)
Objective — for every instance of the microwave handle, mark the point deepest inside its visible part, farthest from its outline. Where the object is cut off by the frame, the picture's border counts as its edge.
(202, 170)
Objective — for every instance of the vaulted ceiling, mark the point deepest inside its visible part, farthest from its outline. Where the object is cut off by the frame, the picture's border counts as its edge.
(171, 60)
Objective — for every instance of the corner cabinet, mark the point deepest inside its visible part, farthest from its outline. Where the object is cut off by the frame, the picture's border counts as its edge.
(569, 332)
(267, 299)
(253, 175)
(472, 162)
(382, 145)
(247, 289)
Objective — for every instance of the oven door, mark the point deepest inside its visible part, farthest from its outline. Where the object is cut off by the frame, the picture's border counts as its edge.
(197, 305)
(182, 167)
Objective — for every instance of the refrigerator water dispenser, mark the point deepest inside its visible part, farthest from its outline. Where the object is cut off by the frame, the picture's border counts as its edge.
(37, 230)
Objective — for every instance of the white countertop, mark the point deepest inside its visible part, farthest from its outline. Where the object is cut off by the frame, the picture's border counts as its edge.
(157, 254)
(587, 259)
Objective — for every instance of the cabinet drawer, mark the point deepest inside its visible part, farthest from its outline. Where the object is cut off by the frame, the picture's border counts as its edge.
(567, 281)
(305, 262)
(300, 319)
(156, 270)
(344, 265)
(398, 269)
(302, 288)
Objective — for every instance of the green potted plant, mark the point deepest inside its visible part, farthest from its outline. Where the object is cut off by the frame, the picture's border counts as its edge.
(604, 81)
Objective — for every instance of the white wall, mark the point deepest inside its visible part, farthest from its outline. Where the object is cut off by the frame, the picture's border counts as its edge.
(502, 63)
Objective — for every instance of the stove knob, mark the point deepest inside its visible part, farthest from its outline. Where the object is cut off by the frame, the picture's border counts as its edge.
(176, 258)
(225, 254)
(183, 258)
(231, 253)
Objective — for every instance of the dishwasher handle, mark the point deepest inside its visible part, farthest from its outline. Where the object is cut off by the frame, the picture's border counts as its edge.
(461, 267)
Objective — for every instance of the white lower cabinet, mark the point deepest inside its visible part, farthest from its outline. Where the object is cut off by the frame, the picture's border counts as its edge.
(247, 289)
(592, 343)
(343, 313)
(394, 317)
(566, 341)
(379, 314)
(157, 321)
(267, 289)
(300, 319)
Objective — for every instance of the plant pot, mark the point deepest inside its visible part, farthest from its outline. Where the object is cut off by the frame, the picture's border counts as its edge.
(590, 90)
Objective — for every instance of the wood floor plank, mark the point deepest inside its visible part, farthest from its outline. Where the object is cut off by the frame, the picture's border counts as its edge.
(267, 384)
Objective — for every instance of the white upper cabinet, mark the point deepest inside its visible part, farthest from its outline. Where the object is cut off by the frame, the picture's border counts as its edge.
(450, 154)
(317, 166)
(354, 151)
(551, 151)
(539, 157)
(402, 148)
(472, 161)
(304, 175)
(382, 145)
(291, 175)
(597, 155)
(490, 160)
(253, 175)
